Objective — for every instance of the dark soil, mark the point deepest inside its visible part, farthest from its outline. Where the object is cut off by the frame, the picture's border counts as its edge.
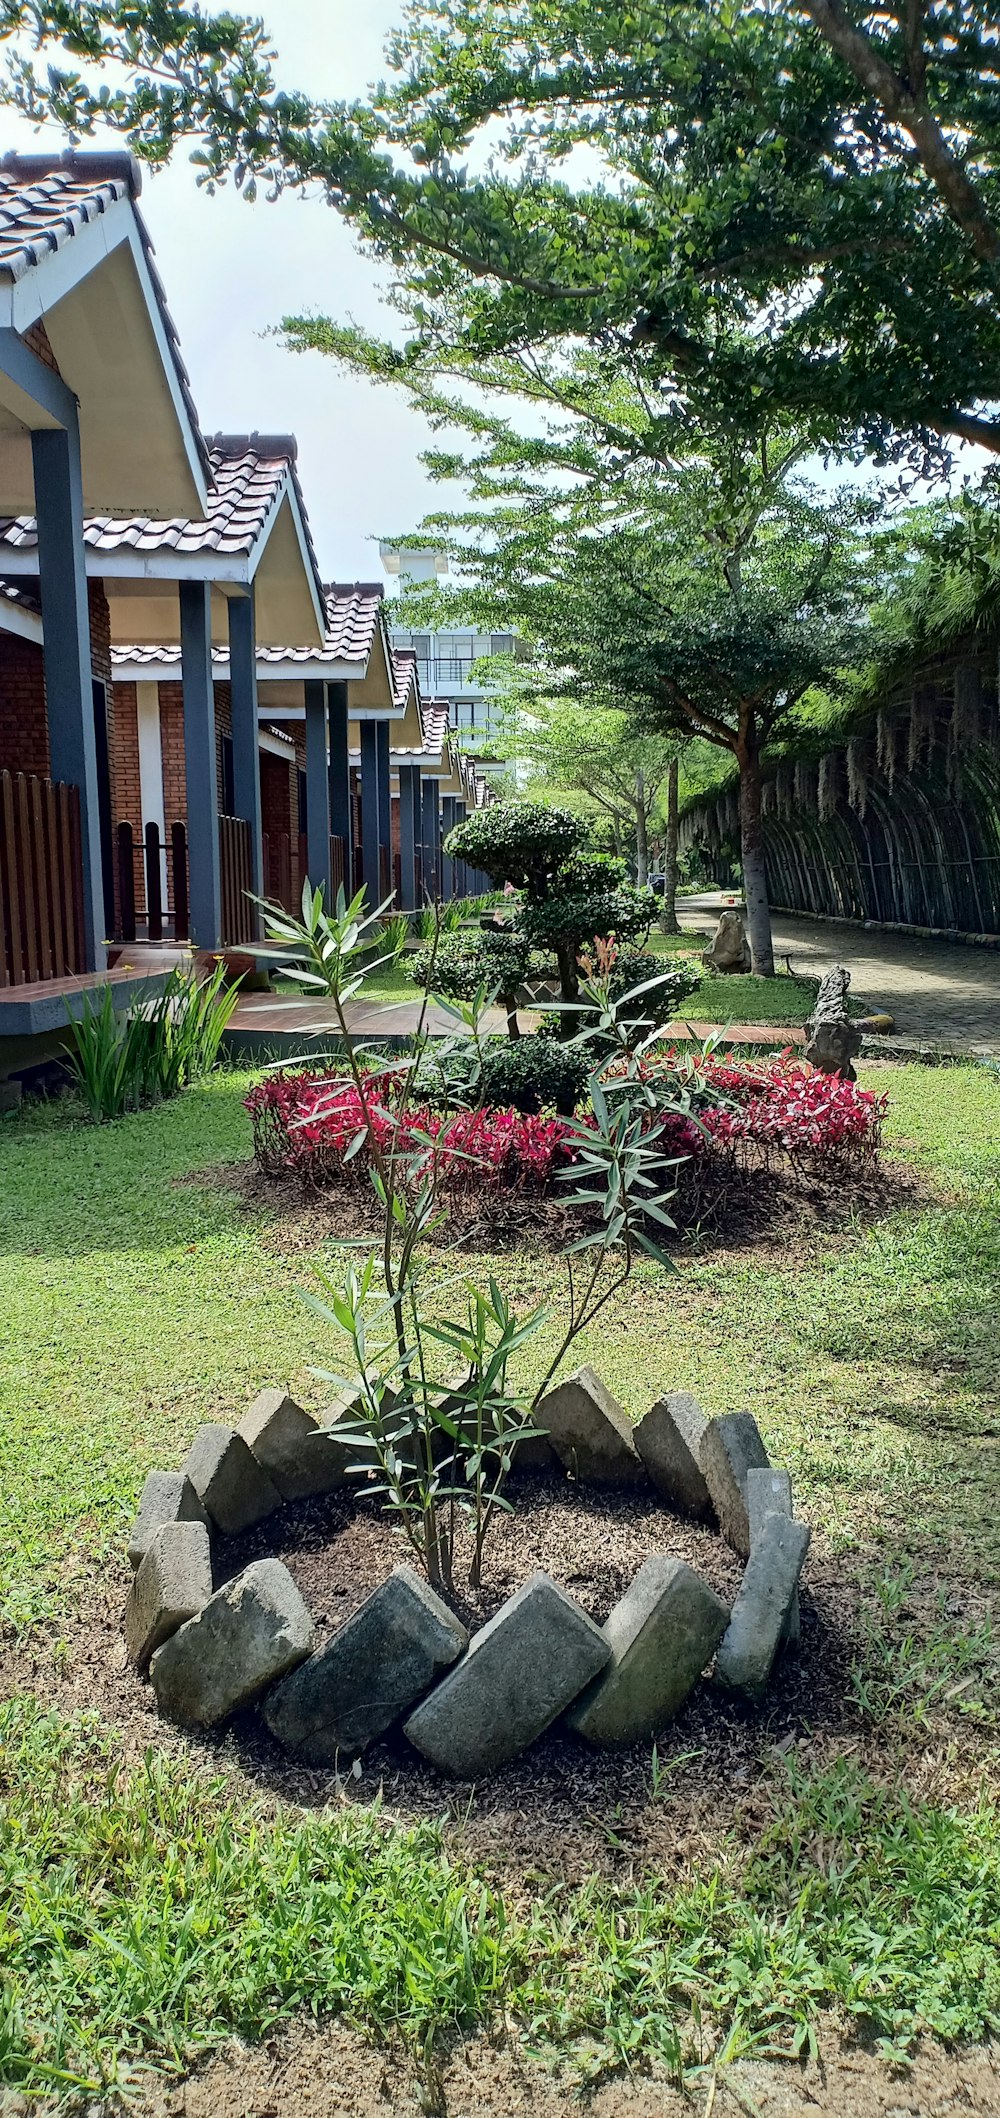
(726, 1208)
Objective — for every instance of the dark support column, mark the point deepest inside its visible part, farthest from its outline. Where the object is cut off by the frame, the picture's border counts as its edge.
(317, 790)
(205, 895)
(370, 812)
(340, 774)
(430, 839)
(447, 866)
(246, 733)
(409, 831)
(385, 799)
(55, 455)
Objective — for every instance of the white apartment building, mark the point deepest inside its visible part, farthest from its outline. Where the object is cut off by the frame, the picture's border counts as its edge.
(445, 660)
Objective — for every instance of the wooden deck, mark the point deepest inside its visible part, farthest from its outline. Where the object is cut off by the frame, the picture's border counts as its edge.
(31, 1010)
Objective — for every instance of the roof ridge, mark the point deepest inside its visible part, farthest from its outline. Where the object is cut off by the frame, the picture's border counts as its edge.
(104, 164)
(260, 444)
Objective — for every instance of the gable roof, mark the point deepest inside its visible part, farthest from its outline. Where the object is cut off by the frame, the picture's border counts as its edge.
(354, 618)
(45, 202)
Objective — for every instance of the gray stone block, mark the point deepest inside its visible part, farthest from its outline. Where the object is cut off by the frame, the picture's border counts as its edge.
(173, 1582)
(372, 1671)
(668, 1439)
(167, 1496)
(278, 1433)
(225, 1474)
(770, 1493)
(251, 1632)
(769, 1582)
(521, 1672)
(729, 1448)
(662, 1634)
(589, 1432)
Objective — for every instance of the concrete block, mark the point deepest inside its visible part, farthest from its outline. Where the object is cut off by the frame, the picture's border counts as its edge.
(251, 1632)
(589, 1432)
(172, 1583)
(770, 1493)
(225, 1474)
(521, 1671)
(662, 1635)
(278, 1432)
(729, 1448)
(761, 1608)
(369, 1674)
(167, 1496)
(668, 1439)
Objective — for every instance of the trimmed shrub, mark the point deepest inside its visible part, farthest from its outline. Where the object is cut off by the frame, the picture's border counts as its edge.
(526, 1074)
(494, 957)
(517, 842)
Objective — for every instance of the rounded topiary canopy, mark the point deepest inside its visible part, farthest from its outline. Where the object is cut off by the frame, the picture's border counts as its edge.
(517, 842)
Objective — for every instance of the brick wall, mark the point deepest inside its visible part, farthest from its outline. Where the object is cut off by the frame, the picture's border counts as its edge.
(24, 734)
(127, 794)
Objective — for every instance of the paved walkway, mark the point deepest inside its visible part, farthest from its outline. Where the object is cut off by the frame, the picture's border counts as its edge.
(939, 992)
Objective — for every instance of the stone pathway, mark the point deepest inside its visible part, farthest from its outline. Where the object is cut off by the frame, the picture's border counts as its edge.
(939, 992)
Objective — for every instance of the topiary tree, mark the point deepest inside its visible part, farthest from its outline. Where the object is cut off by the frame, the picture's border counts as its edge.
(571, 898)
(461, 964)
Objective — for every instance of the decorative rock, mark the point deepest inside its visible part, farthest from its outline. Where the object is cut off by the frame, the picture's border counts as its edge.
(729, 1448)
(374, 1668)
(591, 1435)
(770, 1493)
(225, 1474)
(662, 1635)
(668, 1440)
(173, 1581)
(278, 1433)
(522, 1670)
(167, 1496)
(248, 1634)
(729, 949)
(834, 1040)
(761, 1608)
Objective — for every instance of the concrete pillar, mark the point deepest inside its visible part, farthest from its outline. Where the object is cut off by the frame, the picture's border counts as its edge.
(409, 832)
(385, 803)
(370, 813)
(317, 791)
(430, 839)
(204, 891)
(69, 683)
(340, 775)
(246, 734)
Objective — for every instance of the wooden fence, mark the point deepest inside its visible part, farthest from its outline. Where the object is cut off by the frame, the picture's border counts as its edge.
(41, 880)
(239, 914)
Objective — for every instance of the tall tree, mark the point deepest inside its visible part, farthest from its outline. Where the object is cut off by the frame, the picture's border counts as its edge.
(593, 750)
(792, 207)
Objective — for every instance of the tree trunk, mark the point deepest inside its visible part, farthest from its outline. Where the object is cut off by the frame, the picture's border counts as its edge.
(508, 1002)
(669, 922)
(752, 850)
(641, 835)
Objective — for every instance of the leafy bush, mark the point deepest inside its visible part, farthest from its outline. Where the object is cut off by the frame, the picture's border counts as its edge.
(307, 1125)
(494, 957)
(675, 983)
(518, 842)
(121, 1061)
(527, 1074)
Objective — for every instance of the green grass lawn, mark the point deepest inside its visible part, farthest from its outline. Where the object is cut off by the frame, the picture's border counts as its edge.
(147, 1912)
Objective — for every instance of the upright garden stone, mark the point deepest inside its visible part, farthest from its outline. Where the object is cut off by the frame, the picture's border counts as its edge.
(770, 1493)
(173, 1582)
(761, 1608)
(591, 1435)
(251, 1632)
(279, 1433)
(225, 1474)
(662, 1634)
(366, 1677)
(729, 1448)
(522, 1670)
(167, 1496)
(668, 1439)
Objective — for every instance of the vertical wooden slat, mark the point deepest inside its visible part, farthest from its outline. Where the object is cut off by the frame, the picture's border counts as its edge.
(125, 844)
(154, 889)
(11, 937)
(22, 845)
(76, 845)
(57, 890)
(178, 864)
(40, 868)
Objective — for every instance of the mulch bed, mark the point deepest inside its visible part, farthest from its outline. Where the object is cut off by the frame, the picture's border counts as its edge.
(727, 1209)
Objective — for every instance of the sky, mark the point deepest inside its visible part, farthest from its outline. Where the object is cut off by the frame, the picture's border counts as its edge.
(232, 270)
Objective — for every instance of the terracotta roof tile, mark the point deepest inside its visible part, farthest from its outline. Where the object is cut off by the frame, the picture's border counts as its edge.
(249, 474)
(353, 612)
(47, 199)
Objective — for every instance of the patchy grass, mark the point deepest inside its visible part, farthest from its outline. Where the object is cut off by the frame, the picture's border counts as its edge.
(145, 1912)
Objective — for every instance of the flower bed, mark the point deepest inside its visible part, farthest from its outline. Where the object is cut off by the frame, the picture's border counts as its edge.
(310, 1125)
